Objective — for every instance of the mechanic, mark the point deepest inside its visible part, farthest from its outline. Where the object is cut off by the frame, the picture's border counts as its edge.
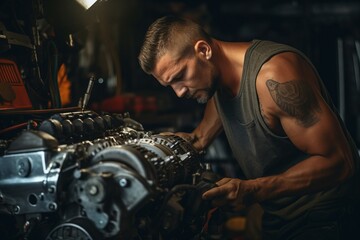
(298, 158)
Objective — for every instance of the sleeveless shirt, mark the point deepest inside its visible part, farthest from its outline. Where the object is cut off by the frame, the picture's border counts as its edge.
(259, 151)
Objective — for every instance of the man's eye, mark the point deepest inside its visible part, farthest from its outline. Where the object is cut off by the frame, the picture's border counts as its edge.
(178, 78)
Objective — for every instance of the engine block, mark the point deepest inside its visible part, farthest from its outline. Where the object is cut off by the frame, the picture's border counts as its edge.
(84, 175)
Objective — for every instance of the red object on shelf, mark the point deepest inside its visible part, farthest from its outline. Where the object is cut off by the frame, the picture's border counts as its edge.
(127, 103)
(114, 104)
(13, 94)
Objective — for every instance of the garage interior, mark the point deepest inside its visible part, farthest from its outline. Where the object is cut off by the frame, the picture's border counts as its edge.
(71, 70)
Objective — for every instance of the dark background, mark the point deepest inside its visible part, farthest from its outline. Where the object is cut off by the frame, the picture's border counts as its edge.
(108, 36)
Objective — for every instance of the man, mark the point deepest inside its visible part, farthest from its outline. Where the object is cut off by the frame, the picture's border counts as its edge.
(299, 160)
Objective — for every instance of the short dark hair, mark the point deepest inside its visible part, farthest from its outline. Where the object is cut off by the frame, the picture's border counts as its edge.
(167, 32)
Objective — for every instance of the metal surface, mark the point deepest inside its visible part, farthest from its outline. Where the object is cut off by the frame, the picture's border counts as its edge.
(117, 183)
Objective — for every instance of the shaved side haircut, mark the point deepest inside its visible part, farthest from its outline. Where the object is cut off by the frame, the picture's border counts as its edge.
(169, 33)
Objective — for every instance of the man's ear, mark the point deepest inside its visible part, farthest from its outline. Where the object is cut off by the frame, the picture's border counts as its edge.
(203, 49)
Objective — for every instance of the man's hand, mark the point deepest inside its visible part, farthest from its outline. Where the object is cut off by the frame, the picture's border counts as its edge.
(189, 137)
(231, 192)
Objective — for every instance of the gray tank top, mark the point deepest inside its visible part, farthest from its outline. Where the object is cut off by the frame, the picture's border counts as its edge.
(259, 151)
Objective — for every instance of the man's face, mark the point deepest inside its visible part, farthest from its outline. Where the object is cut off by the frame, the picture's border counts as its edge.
(191, 76)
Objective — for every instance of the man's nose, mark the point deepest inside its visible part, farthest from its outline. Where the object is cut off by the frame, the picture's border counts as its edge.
(179, 89)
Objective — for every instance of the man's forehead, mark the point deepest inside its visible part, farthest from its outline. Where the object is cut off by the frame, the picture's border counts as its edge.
(165, 67)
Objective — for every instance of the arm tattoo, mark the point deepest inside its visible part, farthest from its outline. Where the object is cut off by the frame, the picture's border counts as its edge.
(296, 99)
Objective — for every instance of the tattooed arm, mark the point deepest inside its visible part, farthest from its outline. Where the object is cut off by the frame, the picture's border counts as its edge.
(292, 105)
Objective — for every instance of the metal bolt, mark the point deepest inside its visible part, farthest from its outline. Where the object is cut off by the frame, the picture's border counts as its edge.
(42, 196)
(102, 222)
(77, 174)
(123, 182)
(93, 190)
(23, 167)
(51, 189)
(52, 206)
(16, 209)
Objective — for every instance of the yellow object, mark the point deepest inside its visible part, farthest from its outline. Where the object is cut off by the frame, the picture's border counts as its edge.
(236, 224)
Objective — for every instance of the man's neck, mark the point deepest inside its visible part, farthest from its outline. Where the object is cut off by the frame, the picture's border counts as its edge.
(229, 57)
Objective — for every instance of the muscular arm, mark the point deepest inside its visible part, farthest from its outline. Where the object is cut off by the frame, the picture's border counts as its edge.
(314, 129)
(291, 96)
(207, 130)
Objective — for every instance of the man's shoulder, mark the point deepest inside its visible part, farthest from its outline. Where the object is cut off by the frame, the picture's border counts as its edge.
(283, 66)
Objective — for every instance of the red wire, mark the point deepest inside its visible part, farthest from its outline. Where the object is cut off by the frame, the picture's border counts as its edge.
(17, 126)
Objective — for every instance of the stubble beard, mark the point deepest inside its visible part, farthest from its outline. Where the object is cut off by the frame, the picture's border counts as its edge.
(203, 100)
(209, 92)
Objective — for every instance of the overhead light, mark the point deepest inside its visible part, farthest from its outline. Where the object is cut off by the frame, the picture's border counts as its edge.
(86, 3)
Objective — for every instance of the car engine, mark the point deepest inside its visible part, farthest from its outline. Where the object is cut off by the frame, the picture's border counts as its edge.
(87, 175)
